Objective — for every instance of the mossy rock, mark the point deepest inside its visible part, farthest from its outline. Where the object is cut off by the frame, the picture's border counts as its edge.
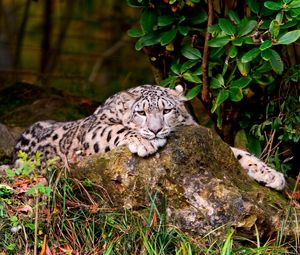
(8, 136)
(195, 176)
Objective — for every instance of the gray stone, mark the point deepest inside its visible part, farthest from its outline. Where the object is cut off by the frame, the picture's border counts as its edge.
(8, 138)
(195, 178)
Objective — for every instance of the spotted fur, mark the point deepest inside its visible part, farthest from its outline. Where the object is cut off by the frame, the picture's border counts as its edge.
(141, 118)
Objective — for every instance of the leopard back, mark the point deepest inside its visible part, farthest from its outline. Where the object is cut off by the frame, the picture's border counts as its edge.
(140, 118)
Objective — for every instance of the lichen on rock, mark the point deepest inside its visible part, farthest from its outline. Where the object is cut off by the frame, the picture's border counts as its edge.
(196, 174)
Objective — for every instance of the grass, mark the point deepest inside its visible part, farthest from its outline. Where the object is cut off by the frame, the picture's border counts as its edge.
(57, 215)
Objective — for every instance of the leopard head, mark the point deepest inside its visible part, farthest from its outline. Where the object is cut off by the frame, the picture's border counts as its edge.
(155, 111)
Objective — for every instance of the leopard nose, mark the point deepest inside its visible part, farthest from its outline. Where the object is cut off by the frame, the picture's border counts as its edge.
(155, 130)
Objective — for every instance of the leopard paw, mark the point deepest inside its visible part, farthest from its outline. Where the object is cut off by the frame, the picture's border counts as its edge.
(144, 147)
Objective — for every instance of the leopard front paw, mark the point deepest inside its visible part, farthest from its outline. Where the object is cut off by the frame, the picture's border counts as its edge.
(143, 147)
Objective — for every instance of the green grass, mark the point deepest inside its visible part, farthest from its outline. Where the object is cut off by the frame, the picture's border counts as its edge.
(59, 214)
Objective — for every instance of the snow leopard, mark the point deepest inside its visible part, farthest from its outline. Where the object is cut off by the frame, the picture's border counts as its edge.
(140, 118)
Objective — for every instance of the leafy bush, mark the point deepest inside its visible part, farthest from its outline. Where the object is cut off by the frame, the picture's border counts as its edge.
(237, 58)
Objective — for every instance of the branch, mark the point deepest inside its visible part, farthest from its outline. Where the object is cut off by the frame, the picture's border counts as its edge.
(205, 95)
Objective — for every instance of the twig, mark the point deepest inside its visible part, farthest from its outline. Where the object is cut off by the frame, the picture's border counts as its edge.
(26, 240)
(36, 222)
(205, 90)
(268, 148)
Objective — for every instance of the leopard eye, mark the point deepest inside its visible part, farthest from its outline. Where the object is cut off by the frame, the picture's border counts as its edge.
(166, 111)
(142, 113)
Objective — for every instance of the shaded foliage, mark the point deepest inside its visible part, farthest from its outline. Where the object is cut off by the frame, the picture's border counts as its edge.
(238, 58)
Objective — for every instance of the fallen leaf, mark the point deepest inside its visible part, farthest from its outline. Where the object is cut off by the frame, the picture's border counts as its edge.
(24, 209)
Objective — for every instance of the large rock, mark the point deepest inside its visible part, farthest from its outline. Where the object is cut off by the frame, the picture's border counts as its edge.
(203, 184)
(8, 138)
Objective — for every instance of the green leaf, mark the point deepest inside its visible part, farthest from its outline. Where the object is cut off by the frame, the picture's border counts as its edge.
(241, 82)
(181, 19)
(254, 6)
(216, 53)
(148, 20)
(294, 4)
(220, 78)
(188, 65)
(215, 84)
(135, 32)
(184, 30)
(265, 79)
(254, 145)
(274, 6)
(276, 62)
(193, 92)
(276, 123)
(32, 191)
(219, 118)
(265, 45)
(279, 17)
(234, 17)
(250, 55)
(189, 52)
(135, 3)
(232, 51)
(264, 68)
(165, 20)
(6, 190)
(289, 24)
(236, 94)
(198, 18)
(294, 13)
(289, 37)
(175, 68)
(246, 26)
(214, 28)
(188, 76)
(222, 96)
(238, 41)
(240, 139)
(249, 40)
(139, 45)
(274, 28)
(198, 71)
(10, 172)
(244, 68)
(171, 81)
(219, 42)
(168, 37)
(147, 40)
(266, 55)
(227, 26)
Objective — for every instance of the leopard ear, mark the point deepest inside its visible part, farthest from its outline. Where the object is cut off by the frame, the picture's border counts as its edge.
(127, 98)
(178, 92)
(179, 89)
